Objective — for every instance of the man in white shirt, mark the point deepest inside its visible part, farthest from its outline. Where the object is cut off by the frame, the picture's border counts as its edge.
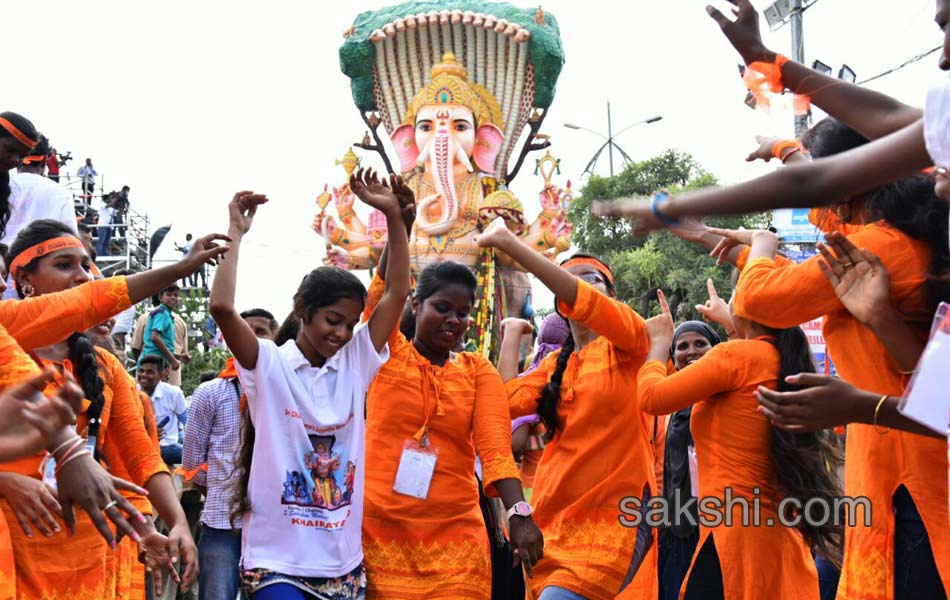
(106, 217)
(88, 174)
(168, 402)
(33, 196)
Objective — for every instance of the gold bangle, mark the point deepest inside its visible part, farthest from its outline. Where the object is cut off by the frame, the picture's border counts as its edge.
(877, 409)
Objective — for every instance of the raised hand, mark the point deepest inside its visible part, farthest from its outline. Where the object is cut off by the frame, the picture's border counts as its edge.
(716, 310)
(764, 151)
(690, 229)
(516, 326)
(743, 33)
(495, 235)
(732, 238)
(205, 251)
(860, 280)
(407, 200)
(242, 208)
(366, 186)
(660, 327)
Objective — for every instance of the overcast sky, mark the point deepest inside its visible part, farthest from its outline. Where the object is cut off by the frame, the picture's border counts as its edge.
(188, 102)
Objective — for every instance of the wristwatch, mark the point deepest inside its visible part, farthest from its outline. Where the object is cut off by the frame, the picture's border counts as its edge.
(520, 509)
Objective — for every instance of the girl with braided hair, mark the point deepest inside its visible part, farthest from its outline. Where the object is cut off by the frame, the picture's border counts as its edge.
(600, 442)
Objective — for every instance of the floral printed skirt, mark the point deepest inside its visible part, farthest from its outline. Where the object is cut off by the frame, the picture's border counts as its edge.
(351, 586)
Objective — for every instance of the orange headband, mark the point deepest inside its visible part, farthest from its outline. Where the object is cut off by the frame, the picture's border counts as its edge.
(34, 158)
(593, 262)
(19, 135)
(42, 249)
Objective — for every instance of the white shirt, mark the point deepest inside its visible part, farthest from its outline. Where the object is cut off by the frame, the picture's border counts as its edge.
(306, 480)
(124, 321)
(105, 215)
(34, 197)
(87, 173)
(168, 401)
(937, 124)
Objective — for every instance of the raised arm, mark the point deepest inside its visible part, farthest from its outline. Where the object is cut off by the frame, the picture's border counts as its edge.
(148, 283)
(367, 187)
(802, 185)
(237, 333)
(717, 371)
(512, 330)
(870, 113)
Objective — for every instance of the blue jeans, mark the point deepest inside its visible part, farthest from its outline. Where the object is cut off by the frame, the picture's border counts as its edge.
(828, 576)
(171, 454)
(219, 557)
(102, 246)
(676, 554)
(915, 572)
(553, 592)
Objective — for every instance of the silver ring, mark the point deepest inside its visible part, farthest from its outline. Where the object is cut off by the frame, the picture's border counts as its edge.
(109, 505)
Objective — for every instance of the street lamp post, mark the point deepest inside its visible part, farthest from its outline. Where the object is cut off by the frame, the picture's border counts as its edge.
(609, 142)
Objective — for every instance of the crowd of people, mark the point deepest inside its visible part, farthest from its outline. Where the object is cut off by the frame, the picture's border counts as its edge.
(356, 451)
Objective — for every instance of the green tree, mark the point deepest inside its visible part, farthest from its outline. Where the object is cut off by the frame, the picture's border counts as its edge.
(660, 260)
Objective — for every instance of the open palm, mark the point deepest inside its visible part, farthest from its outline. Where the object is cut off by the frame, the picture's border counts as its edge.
(858, 277)
(368, 188)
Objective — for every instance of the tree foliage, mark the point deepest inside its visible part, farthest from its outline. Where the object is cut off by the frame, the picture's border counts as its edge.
(660, 260)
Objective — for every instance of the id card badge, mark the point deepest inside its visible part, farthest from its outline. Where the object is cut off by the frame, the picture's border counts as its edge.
(416, 466)
(48, 471)
(693, 472)
(91, 444)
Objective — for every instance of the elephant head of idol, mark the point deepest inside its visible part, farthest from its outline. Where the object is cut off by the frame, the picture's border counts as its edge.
(451, 129)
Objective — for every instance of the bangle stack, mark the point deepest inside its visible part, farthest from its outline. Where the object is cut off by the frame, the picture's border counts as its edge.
(69, 450)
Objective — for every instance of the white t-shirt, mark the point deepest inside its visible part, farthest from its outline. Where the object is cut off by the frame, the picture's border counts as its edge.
(168, 401)
(34, 197)
(105, 215)
(306, 481)
(937, 124)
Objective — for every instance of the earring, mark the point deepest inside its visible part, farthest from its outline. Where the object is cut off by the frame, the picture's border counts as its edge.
(27, 289)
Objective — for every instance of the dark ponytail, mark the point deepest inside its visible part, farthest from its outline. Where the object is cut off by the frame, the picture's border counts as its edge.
(240, 502)
(86, 368)
(551, 393)
(806, 463)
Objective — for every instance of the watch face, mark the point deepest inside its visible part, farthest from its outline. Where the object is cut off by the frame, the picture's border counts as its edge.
(522, 509)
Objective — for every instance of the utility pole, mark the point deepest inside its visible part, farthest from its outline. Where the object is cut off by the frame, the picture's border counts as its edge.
(798, 53)
(610, 137)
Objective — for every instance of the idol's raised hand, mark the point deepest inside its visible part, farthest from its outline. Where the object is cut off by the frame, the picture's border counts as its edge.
(743, 33)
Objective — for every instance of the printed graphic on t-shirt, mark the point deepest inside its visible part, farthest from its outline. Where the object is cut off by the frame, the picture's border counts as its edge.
(326, 483)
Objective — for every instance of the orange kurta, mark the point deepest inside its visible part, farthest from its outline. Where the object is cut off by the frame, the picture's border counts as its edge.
(15, 366)
(437, 547)
(80, 566)
(734, 450)
(602, 454)
(41, 321)
(876, 464)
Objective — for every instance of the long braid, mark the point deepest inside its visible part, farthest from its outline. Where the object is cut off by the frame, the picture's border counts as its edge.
(551, 394)
(86, 365)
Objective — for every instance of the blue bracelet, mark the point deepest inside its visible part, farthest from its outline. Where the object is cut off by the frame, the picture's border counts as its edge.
(655, 209)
